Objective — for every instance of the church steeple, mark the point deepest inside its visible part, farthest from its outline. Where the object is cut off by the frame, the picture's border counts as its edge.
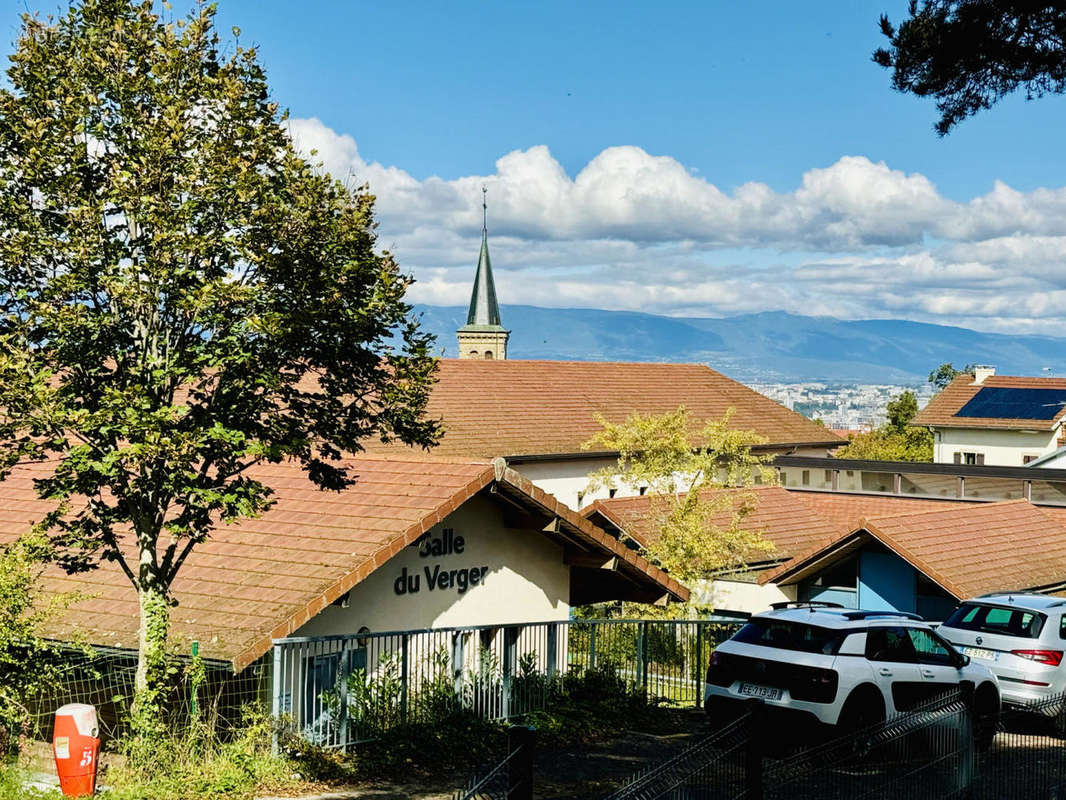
(483, 336)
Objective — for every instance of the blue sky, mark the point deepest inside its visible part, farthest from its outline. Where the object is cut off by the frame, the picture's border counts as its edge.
(700, 158)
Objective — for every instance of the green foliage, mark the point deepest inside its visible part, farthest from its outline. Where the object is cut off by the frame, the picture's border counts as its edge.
(969, 54)
(198, 766)
(29, 666)
(901, 409)
(12, 786)
(698, 531)
(584, 705)
(946, 373)
(896, 440)
(182, 295)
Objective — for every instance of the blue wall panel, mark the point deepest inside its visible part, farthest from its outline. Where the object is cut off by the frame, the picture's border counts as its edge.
(827, 594)
(886, 582)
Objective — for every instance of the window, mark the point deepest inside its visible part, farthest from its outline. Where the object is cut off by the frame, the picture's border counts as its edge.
(643, 490)
(890, 644)
(612, 492)
(843, 575)
(1029, 459)
(829, 476)
(488, 355)
(929, 649)
(787, 635)
(995, 619)
(806, 477)
(580, 499)
(976, 459)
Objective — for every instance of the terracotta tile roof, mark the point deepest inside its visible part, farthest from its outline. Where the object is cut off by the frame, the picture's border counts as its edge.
(845, 512)
(781, 517)
(940, 411)
(261, 579)
(1010, 545)
(511, 408)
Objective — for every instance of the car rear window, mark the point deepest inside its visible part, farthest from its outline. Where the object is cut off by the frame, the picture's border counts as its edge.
(996, 619)
(788, 635)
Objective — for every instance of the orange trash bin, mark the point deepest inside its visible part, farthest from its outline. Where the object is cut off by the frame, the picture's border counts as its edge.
(76, 746)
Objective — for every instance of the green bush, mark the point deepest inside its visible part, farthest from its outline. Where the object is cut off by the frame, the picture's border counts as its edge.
(29, 666)
(201, 765)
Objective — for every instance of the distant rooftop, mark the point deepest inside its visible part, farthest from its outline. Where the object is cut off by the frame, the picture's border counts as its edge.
(997, 401)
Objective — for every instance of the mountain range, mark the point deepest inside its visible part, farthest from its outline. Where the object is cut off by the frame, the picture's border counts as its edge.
(770, 346)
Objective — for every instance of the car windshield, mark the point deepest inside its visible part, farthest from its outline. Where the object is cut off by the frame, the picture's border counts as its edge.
(788, 635)
(996, 619)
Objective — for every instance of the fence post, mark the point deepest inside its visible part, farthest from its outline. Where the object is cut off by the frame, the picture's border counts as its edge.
(967, 746)
(520, 773)
(458, 660)
(754, 751)
(643, 652)
(552, 646)
(510, 649)
(194, 683)
(404, 676)
(275, 700)
(699, 664)
(592, 644)
(344, 669)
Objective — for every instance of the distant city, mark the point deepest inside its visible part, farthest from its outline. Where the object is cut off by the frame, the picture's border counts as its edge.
(843, 406)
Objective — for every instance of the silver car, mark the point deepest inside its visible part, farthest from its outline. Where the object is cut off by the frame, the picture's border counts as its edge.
(1020, 636)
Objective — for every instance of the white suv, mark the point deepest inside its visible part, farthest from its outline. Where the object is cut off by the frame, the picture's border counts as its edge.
(1021, 637)
(819, 663)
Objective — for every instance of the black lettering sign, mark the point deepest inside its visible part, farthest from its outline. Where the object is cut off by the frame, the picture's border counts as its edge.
(429, 546)
(444, 545)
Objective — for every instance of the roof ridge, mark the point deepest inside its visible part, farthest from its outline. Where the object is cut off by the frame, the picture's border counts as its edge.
(967, 507)
(590, 361)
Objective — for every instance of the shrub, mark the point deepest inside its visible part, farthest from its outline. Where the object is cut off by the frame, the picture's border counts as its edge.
(29, 666)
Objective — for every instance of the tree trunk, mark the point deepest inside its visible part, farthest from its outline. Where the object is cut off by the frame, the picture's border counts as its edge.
(150, 687)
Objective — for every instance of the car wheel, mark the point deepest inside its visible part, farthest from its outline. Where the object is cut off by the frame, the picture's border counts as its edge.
(862, 710)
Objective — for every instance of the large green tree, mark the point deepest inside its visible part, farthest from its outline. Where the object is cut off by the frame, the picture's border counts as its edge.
(969, 54)
(182, 296)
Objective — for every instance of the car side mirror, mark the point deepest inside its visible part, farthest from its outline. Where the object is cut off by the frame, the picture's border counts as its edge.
(963, 660)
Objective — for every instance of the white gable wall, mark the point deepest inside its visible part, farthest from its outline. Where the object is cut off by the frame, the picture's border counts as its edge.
(525, 580)
(999, 447)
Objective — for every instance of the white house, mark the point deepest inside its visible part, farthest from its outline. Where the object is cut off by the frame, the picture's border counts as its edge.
(992, 419)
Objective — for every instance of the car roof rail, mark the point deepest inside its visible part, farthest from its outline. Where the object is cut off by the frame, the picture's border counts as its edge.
(811, 604)
(873, 614)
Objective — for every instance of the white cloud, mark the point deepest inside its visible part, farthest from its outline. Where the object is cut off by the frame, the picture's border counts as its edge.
(642, 232)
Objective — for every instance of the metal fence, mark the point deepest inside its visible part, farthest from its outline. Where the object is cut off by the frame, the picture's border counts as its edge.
(340, 690)
(199, 691)
(931, 753)
(511, 778)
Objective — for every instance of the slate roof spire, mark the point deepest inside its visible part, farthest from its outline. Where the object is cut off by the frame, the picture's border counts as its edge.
(483, 336)
(484, 310)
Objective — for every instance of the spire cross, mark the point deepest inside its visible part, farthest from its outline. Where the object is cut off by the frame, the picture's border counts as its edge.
(484, 210)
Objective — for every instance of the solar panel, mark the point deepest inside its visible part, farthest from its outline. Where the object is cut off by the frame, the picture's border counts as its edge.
(1005, 403)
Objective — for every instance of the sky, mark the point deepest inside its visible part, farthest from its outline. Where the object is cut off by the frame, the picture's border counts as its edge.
(683, 158)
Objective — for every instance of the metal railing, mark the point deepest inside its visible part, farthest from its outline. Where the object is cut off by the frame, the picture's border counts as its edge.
(340, 690)
(934, 752)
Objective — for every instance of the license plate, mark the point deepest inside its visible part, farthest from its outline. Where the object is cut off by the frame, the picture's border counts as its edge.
(764, 692)
(981, 653)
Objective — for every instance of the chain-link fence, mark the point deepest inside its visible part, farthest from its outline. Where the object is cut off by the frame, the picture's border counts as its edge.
(205, 692)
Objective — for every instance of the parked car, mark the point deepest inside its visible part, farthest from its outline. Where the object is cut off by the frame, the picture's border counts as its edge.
(823, 665)
(1020, 637)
